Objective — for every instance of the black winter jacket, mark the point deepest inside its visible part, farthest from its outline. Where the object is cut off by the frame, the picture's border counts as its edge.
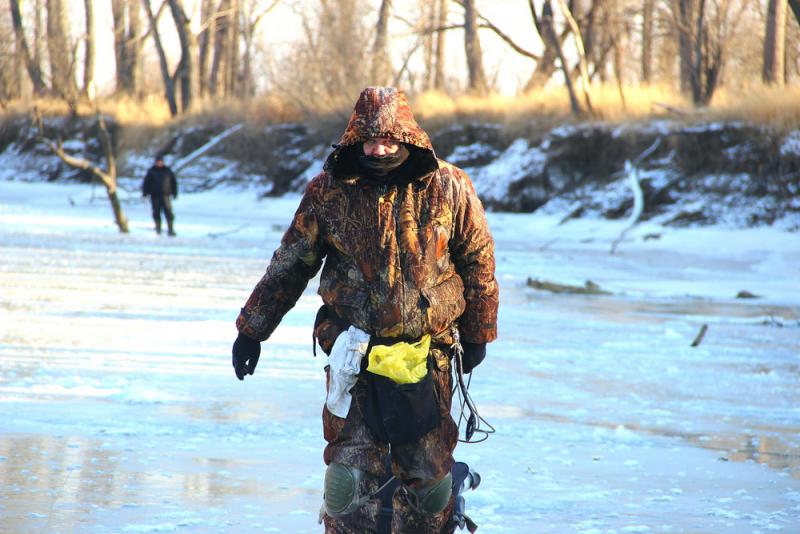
(160, 181)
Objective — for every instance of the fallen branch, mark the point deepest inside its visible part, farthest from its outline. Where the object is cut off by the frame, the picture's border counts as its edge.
(588, 288)
(699, 337)
(177, 166)
(214, 235)
(671, 109)
(638, 197)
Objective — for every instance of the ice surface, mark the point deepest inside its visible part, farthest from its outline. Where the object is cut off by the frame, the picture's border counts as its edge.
(120, 412)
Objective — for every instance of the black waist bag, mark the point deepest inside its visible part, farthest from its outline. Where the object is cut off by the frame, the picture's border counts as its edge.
(400, 413)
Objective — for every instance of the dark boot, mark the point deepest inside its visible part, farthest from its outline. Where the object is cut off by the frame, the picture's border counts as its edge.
(158, 227)
(170, 229)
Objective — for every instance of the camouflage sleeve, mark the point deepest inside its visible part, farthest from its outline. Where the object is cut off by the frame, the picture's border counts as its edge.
(472, 250)
(294, 263)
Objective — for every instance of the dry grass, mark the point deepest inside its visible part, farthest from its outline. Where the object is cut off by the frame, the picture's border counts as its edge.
(265, 109)
(607, 101)
(777, 107)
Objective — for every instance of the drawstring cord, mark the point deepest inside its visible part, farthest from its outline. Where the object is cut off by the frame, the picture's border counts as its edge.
(474, 419)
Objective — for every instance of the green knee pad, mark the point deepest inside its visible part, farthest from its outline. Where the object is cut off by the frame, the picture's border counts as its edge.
(342, 485)
(432, 499)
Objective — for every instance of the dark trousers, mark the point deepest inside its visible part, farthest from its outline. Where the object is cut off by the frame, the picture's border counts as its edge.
(161, 203)
(427, 460)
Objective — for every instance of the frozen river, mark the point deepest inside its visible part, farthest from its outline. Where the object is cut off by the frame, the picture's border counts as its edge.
(120, 412)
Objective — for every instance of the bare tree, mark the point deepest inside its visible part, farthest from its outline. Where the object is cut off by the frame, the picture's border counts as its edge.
(546, 65)
(107, 176)
(773, 71)
(126, 16)
(59, 51)
(224, 21)
(89, 50)
(704, 29)
(205, 43)
(442, 10)
(31, 65)
(647, 40)
(251, 18)
(550, 34)
(232, 53)
(11, 64)
(580, 50)
(684, 11)
(472, 47)
(381, 67)
(169, 85)
(329, 67)
(185, 72)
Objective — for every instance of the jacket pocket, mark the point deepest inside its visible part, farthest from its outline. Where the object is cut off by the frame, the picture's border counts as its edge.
(445, 303)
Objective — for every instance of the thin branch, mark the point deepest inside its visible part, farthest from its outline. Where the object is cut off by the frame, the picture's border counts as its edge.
(502, 35)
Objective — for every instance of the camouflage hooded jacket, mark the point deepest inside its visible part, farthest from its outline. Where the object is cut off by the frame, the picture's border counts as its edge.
(401, 259)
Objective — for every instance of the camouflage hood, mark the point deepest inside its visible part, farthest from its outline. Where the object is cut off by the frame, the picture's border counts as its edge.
(381, 112)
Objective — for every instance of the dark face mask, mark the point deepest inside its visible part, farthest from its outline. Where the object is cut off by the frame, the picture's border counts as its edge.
(383, 165)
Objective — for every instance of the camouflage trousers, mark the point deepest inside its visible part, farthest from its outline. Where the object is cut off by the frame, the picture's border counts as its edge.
(423, 462)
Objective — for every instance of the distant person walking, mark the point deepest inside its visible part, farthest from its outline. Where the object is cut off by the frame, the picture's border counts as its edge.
(160, 184)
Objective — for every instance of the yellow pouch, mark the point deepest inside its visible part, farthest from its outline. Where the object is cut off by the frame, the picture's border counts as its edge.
(404, 363)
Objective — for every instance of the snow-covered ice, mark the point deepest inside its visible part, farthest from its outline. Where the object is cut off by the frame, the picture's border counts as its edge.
(120, 412)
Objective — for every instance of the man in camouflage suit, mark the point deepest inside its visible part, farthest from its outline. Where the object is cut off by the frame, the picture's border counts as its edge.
(407, 252)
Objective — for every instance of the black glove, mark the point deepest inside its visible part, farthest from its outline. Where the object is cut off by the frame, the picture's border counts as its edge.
(246, 351)
(474, 353)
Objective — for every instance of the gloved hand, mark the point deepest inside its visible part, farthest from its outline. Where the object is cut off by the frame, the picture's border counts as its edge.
(246, 351)
(474, 353)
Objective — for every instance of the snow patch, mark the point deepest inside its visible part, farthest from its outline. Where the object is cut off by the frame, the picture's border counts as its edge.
(791, 144)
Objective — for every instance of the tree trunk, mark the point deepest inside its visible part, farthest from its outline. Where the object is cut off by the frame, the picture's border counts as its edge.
(685, 17)
(546, 65)
(185, 71)
(647, 41)
(550, 35)
(120, 35)
(220, 45)
(89, 54)
(472, 48)
(59, 50)
(32, 66)
(381, 68)
(134, 47)
(169, 86)
(126, 15)
(232, 52)
(39, 39)
(582, 65)
(775, 43)
(441, 20)
(205, 40)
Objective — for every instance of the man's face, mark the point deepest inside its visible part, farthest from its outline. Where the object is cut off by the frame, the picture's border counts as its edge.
(159, 163)
(380, 146)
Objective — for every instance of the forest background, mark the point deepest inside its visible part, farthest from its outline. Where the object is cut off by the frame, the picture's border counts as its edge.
(151, 60)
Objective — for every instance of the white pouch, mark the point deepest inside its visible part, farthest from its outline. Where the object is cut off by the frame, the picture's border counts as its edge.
(345, 364)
